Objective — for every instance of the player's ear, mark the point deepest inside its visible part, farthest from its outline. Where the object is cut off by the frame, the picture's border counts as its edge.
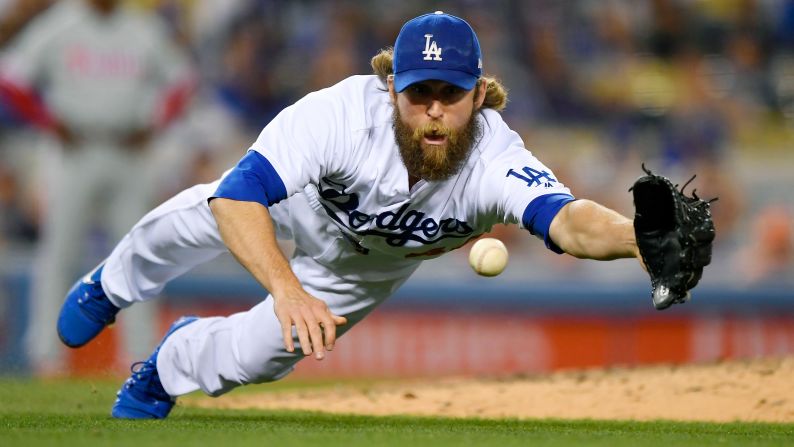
(390, 84)
(482, 89)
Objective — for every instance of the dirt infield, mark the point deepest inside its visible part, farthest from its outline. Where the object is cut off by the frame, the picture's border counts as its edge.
(758, 390)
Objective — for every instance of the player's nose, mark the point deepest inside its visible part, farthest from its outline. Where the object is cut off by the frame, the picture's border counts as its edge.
(435, 109)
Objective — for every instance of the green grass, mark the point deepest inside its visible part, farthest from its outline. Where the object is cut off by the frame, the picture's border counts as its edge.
(69, 412)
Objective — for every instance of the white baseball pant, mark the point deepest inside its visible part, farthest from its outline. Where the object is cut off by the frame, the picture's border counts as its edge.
(218, 354)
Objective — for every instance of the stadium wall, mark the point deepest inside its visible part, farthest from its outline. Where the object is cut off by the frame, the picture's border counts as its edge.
(481, 328)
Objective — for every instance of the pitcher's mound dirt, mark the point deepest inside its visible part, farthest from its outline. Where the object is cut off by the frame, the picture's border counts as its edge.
(757, 390)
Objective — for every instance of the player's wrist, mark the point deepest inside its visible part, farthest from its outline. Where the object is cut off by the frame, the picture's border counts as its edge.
(285, 289)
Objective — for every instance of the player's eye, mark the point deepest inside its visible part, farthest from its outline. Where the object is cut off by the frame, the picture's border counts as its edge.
(451, 94)
(419, 89)
(452, 90)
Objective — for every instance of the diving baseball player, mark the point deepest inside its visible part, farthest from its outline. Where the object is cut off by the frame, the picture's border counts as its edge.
(369, 177)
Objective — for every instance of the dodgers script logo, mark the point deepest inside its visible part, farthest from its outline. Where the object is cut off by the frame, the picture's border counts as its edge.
(396, 227)
(431, 49)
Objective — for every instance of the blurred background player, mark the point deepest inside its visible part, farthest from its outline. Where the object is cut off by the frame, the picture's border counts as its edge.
(102, 80)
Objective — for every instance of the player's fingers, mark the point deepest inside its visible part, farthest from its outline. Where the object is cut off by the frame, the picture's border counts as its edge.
(303, 336)
(329, 332)
(339, 321)
(316, 336)
(286, 333)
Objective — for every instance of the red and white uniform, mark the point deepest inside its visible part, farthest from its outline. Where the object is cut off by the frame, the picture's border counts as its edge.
(104, 77)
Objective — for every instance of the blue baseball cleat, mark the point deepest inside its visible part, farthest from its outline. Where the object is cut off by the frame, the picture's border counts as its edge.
(142, 396)
(86, 311)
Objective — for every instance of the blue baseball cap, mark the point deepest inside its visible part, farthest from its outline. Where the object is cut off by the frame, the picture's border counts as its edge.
(437, 46)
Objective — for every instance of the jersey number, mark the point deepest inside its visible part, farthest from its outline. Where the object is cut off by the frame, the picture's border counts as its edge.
(533, 176)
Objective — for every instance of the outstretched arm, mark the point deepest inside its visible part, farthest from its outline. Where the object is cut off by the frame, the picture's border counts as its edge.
(247, 230)
(585, 229)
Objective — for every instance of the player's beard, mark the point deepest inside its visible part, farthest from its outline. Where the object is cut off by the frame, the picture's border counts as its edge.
(434, 162)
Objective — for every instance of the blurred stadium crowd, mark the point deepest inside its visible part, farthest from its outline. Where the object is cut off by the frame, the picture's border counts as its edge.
(596, 88)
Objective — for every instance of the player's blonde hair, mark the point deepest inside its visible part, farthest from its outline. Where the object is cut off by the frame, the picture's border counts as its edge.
(495, 94)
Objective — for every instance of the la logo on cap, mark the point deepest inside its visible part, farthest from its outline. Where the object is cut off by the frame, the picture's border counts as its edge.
(431, 48)
(432, 52)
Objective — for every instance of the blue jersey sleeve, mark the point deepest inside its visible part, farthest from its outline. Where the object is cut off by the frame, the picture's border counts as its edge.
(539, 214)
(253, 180)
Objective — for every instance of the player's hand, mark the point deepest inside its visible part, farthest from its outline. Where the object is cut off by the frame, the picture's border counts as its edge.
(138, 139)
(313, 321)
(638, 256)
(64, 135)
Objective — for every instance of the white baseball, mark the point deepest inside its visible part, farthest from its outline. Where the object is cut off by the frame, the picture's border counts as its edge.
(488, 257)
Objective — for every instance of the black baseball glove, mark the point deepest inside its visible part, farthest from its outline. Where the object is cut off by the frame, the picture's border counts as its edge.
(674, 234)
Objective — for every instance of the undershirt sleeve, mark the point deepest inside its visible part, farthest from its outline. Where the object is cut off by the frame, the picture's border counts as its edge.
(539, 214)
(252, 180)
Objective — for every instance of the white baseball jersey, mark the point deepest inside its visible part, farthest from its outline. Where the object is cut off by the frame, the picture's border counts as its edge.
(336, 146)
(99, 75)
(330, 172)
